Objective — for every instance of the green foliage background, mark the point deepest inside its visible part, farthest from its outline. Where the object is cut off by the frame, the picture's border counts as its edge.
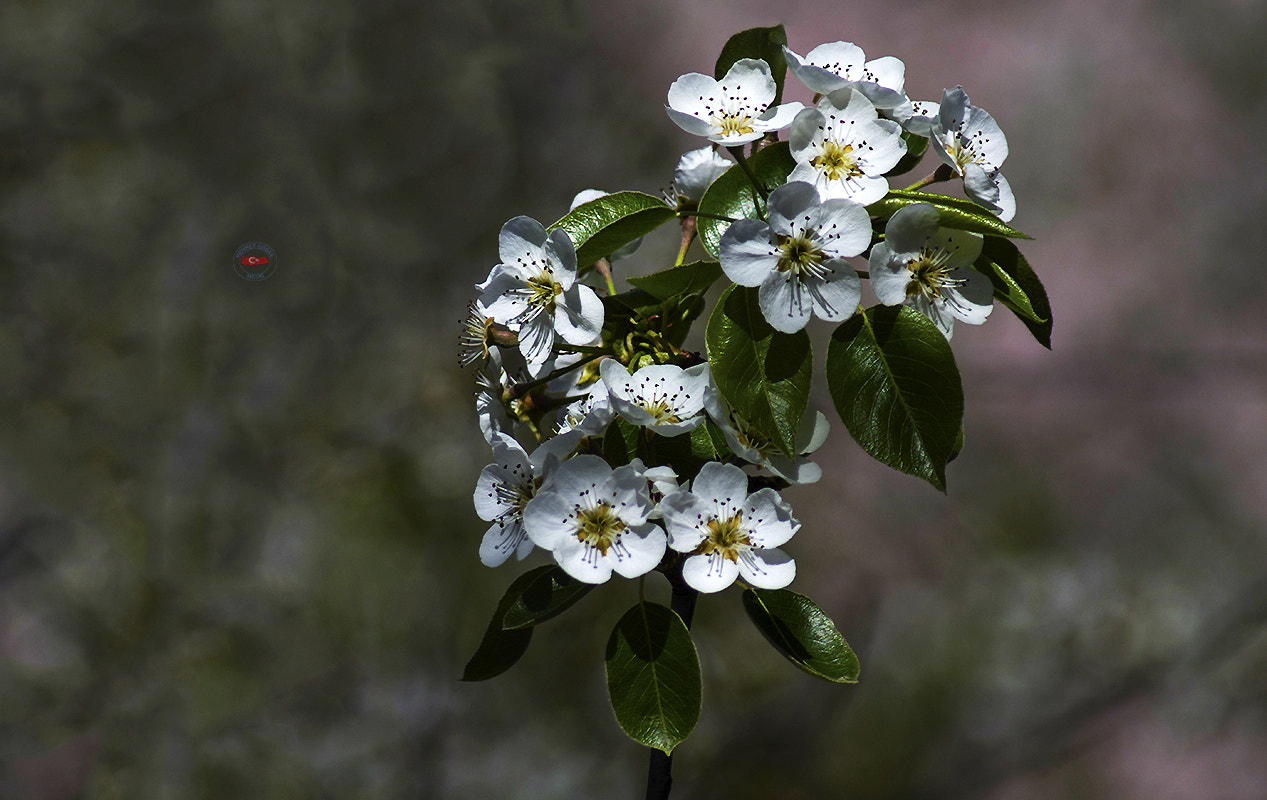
(237, 547)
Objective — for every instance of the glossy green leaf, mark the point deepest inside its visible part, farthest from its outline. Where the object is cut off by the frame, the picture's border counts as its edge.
(1017, 286)
(963, 215)
(693, 278)
(550, 592)
(500, 648)
(894, 382)
(731, 194)
(604, 225)
(803, 633)
(765, 375)
(763, 43)
(653, 676)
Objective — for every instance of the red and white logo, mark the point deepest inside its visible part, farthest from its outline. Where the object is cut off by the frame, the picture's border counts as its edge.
(254, 261)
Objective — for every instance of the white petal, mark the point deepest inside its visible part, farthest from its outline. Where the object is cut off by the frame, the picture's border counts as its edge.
(788, 206)
(694, 95)
(748, 84)
(840, 58)
(501, 540)
(684, 517)
(953, 109)
(520, 243)
(843, 227)
(836, 298)
(691, 124)
(974, 300)
(805, 139)
(581, 322)
(784, 302)
(583, 562)
(721, 488)
(747, 252)
(640, 550)
(709, 573)
(888, 72)
(988, 142)
(549, 519)
(536, 340)
(882, 146)
(889, 276)
(777, 118)
(696, 170)
(910, 228)
(767, 569)
(769, 519)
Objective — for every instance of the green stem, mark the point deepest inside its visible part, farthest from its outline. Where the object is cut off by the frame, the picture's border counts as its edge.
(604, 267)
(942, 173)
(757, 188)
(688, 236)
(521, 389)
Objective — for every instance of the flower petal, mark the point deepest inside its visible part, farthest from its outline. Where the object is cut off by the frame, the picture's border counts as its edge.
(784, 302)
(767, 569)
(747, 252)
(640, 549)
(709, 573)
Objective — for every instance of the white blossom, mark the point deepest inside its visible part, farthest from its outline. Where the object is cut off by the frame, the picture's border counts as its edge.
(752, 446)
(504, 489)
(732, 111)
(594, 520)
(797, 256)
(534, 291)
(728, 532)
(843, 149)
(971, 142)
(839, 65)
(664, 398)
(927, 267)
(695, 172)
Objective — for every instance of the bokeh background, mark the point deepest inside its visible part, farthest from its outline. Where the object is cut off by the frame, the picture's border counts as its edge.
(237, 546)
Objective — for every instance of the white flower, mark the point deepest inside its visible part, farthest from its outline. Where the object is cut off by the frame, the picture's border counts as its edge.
(695, 172)
(838, 65)
(504, 489)
(729, 532)
(753, 447)
(591, 414)
(927, 267)
(970, 141)
(594, 520)
(843, 149)
(534, 291)
(797, 257)
(923, 114)
(664, 398)
(732, 111)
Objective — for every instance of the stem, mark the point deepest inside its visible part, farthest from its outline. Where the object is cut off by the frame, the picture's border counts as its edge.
(942, 173)
(660, 767)
(604, 267)
(521, 389)
(688, 236)
(757, 188)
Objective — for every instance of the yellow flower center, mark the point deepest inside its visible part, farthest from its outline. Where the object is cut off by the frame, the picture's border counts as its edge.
(599, 527)
(542, 290)
(733, 124)
(727, 537)
(837, 161)
(799, 254)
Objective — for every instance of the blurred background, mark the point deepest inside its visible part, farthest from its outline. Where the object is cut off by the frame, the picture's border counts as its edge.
(237, 545)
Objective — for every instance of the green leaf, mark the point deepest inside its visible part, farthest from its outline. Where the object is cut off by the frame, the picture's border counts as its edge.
(916, 146)
(765, 375)
(501, 648)
(606, 224)
(803, 633)
(653, 677)
(621, 442)
(763, 43)
(894, 382)
(1017, 286)
(550, 592)
(693, 278)
(963, 215)
(731, 194)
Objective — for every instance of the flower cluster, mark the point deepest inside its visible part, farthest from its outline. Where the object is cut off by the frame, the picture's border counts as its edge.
(616, 449)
